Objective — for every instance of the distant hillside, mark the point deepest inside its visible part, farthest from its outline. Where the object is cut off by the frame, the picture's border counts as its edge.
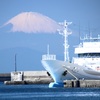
(27, 59)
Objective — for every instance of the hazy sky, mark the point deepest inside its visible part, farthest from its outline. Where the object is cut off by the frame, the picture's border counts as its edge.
(83, 13)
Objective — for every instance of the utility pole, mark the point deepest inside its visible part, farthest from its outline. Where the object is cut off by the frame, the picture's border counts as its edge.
(15, 63)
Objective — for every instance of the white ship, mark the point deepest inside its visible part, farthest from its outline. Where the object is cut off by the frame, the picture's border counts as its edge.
(85, 66)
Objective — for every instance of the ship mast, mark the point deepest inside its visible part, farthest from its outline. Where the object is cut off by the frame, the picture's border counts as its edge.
(65, 34)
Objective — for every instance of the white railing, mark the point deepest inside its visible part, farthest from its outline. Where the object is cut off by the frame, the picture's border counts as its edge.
(48, 57)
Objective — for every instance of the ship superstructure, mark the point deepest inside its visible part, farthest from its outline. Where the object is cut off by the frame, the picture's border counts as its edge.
(88, 53)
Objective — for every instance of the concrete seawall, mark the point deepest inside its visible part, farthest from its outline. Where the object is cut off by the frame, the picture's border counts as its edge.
(29, 77)
(42, 77)
(5, 77)
(82, 83)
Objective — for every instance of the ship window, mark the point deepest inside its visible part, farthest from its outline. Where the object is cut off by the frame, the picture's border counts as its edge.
(93, 55)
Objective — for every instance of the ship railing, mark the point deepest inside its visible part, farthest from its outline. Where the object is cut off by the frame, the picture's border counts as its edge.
(87, 57)
(89, 38)
(48, 57)
(77, 59)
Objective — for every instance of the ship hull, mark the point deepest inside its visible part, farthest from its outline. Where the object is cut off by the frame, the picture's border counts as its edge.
(57, 69)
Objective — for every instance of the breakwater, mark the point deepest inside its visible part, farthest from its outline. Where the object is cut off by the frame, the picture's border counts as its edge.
(29, 77)
(43, 77)
(5, 77)
(82, 83)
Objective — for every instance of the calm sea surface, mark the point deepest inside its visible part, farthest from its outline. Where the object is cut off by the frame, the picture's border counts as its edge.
(42, 92)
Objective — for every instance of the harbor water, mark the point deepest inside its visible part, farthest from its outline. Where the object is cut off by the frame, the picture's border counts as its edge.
(42, 92)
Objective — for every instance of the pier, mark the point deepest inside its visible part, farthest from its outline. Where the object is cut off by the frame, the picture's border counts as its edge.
(29, 77)
(82, 83)
(5, 77)
(42, 77)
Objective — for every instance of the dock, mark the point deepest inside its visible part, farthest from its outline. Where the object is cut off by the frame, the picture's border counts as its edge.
(67, 83)
(5, 77)
(82, 83)
(29, 77)
(43, 77)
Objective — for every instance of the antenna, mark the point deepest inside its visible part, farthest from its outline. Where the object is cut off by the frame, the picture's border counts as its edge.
(65, 32)
(15, 63)
(79, 32)
(90, 35)
(48, 49)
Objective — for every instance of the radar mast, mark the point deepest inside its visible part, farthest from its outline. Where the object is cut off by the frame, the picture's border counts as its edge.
(65, 32)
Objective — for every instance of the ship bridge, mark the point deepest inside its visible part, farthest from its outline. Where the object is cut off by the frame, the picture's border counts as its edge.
(88, 47)
(88, 52)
